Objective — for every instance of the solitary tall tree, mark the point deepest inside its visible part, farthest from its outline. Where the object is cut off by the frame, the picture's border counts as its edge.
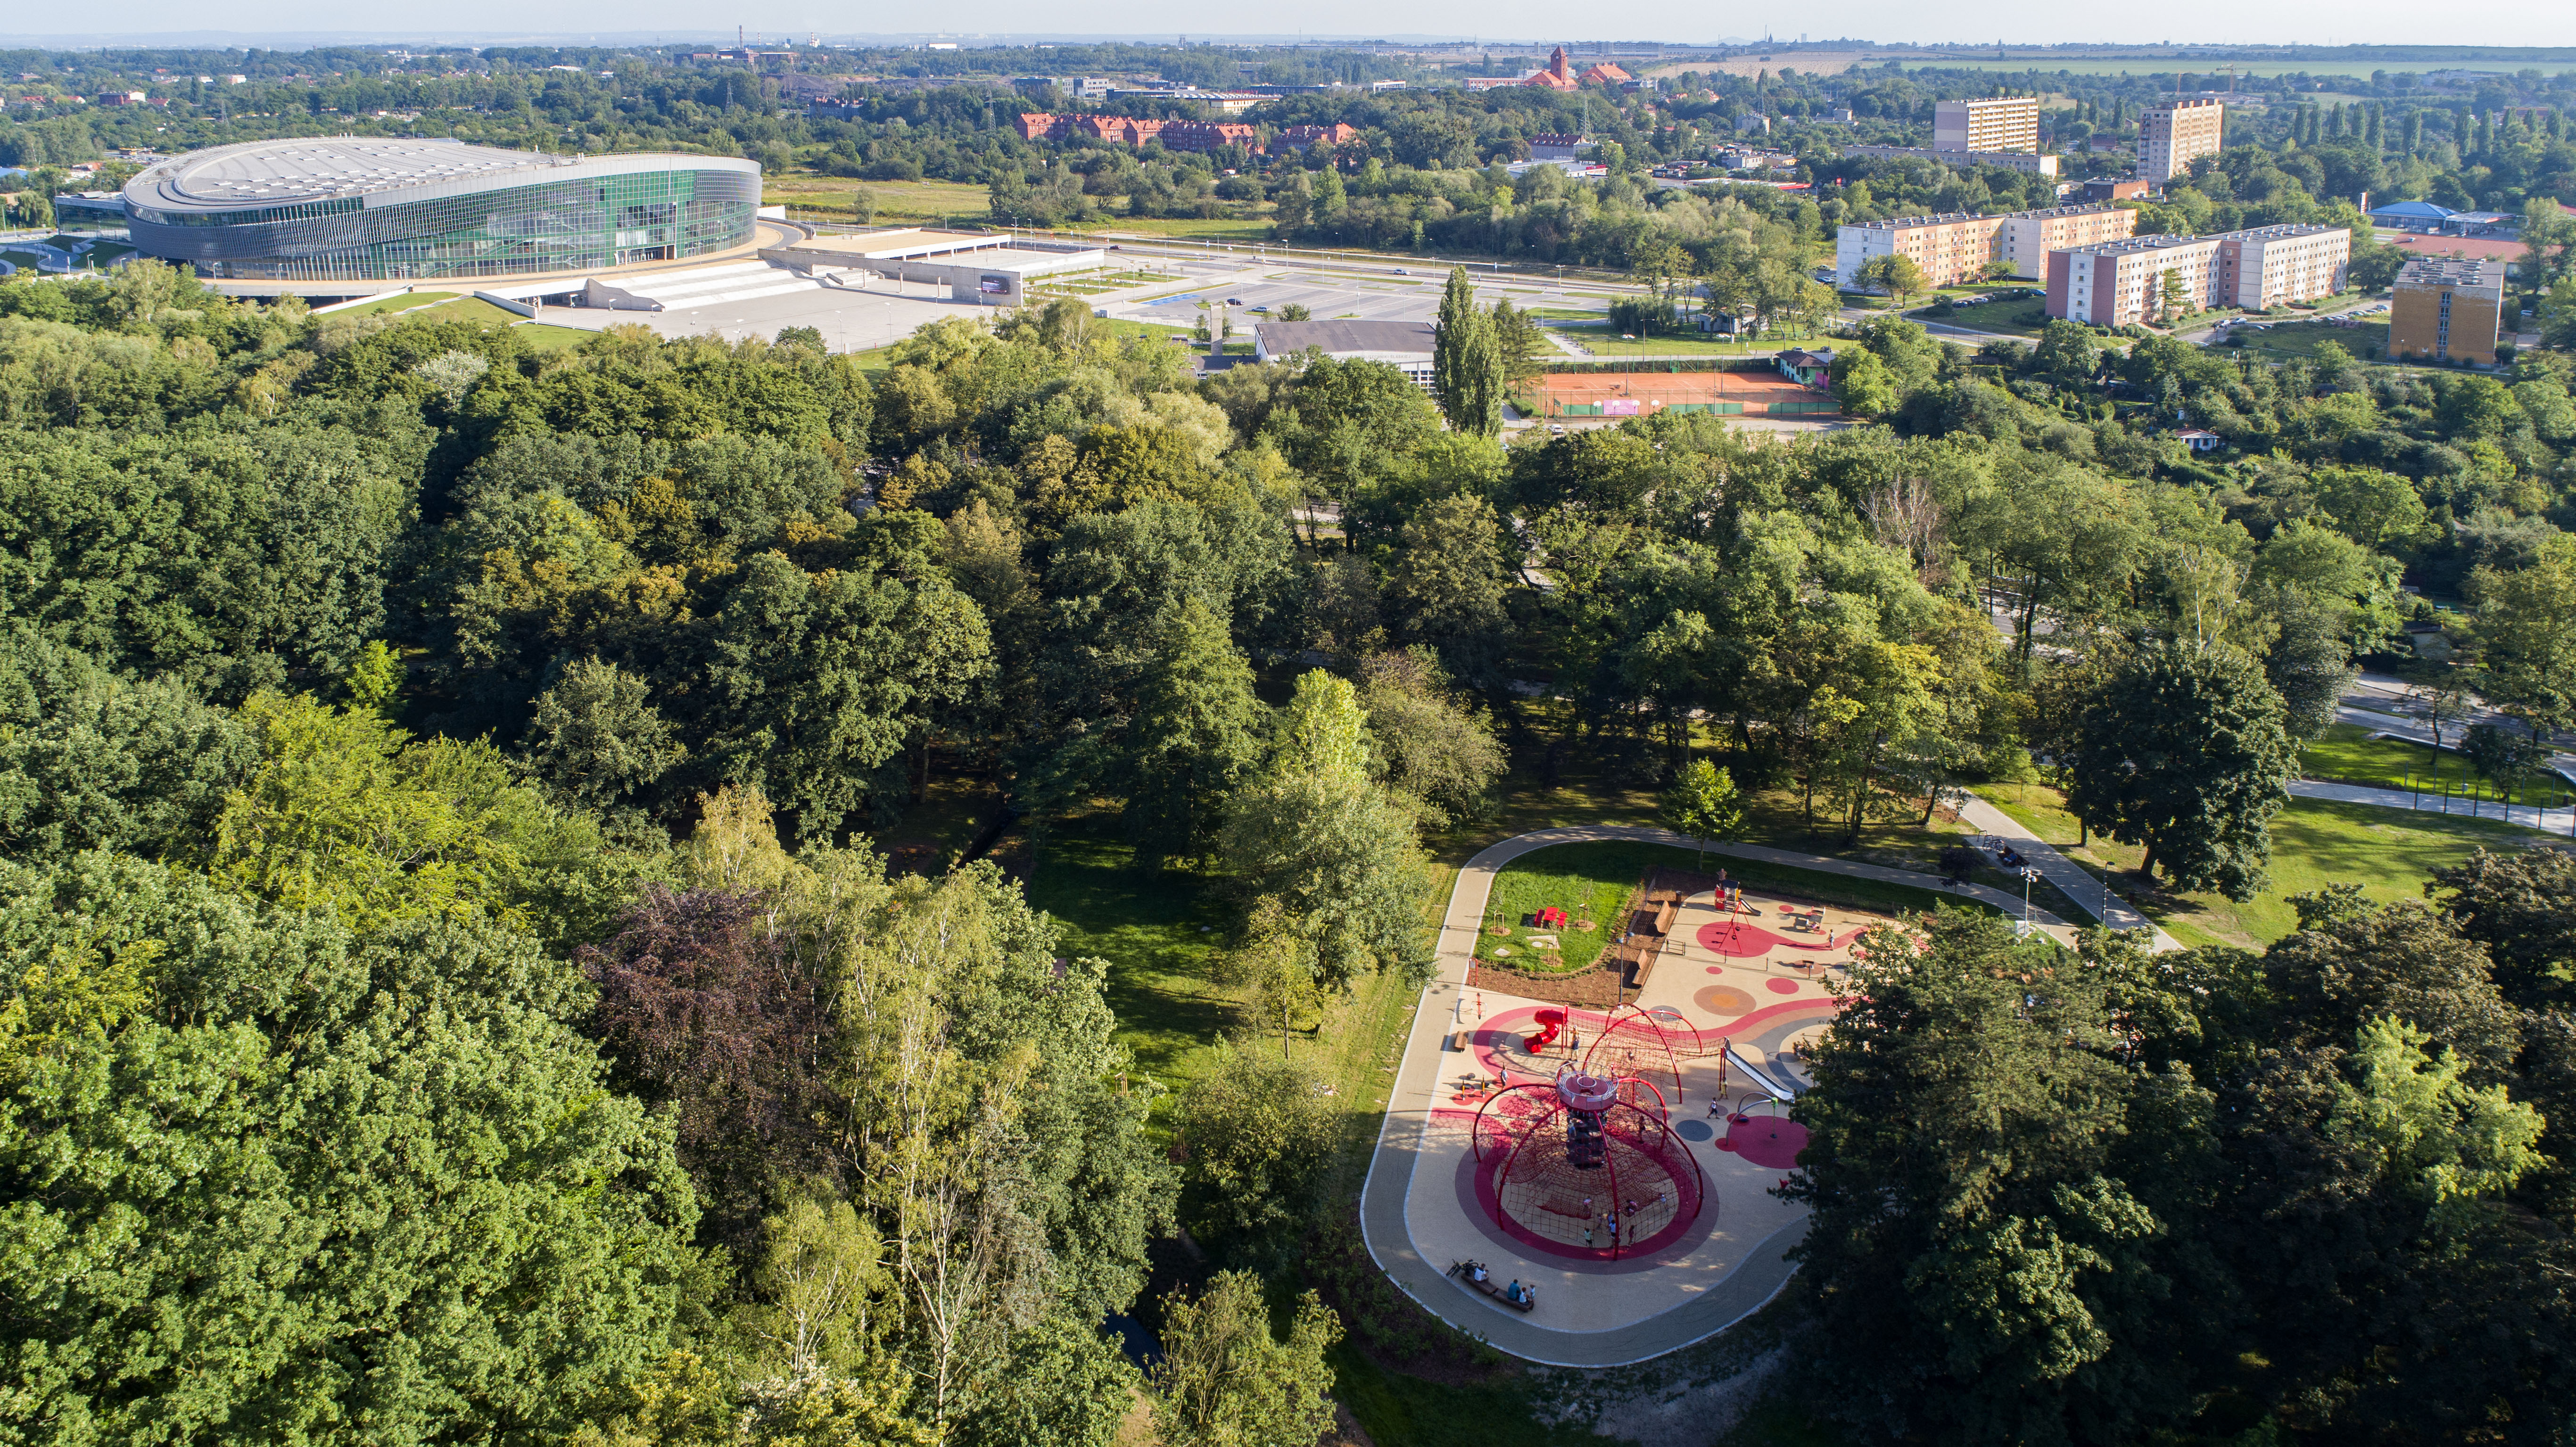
(1466, 363)
(1704, 804)
(2185, 751)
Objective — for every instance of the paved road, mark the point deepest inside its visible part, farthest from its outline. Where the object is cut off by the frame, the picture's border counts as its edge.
(1401, 1136)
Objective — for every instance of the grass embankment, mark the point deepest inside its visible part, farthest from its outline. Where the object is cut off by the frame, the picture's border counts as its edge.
(2367, 340)
(2388, 852)
(1601, 341)
(401, 301)
(2347, 755)
(828, 198)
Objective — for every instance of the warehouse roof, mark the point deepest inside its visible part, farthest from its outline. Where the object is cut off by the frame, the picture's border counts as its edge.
(1343, 338)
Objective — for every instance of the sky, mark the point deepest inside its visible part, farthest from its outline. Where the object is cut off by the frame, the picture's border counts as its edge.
(2025, 22)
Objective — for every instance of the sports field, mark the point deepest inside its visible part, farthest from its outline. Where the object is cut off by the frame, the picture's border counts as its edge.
(1643, 394)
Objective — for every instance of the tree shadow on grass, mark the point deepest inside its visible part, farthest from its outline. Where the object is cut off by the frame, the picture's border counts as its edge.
(1160, 934)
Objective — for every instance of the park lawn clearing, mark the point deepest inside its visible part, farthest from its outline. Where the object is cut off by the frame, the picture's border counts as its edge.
(2346, 755)
(553, 339)
(2315, 842)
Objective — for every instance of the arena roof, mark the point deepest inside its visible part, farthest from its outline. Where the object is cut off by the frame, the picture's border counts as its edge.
(284, 172)
(256, 175)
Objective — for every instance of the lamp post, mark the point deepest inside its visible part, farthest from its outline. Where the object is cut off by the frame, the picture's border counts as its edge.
(2027, 875)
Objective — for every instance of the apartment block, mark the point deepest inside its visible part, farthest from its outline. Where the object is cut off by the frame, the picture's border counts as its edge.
(2275, 264)
(2028, 162)
(2115, 283)
(2029, 236)
(1959, 247)
(2004, 123)
(2173, 133)
(2447, 308)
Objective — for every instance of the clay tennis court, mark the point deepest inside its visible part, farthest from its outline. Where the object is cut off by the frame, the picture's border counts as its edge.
(1643, 394)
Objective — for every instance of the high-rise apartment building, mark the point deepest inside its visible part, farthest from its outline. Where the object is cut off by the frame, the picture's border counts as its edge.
(2447, 308)
(2275, 264)
(2003, 123)
(1959, 247)
(2172, 133)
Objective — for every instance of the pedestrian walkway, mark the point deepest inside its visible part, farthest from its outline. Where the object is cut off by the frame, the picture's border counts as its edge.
(2073, 880)
(2549, 821)
(1404, 1133)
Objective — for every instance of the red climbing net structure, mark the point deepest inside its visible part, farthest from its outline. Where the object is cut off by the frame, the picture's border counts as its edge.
(1648, 1045)
(1588, 1162)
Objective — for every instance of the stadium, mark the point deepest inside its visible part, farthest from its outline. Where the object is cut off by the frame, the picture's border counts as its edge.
(368, 209)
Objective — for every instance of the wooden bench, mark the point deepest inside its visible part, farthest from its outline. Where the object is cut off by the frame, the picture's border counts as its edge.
(1460, 1270)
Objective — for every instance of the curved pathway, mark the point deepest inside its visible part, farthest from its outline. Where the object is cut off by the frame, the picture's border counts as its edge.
(1402, 1133)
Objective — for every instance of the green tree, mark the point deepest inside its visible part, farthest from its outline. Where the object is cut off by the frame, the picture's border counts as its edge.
(1901, 277)
(1314, 831)
(2184, 750)
(1449, 581)
(1438, 750)
(596, 739)
(1703, 803)
(1259, 1135)
(1990, 1213)
(1466, 365)
(2526, 636)
(1863, 386)
(2173, 299)
(1196, 733)
(1224, 1381)
(373, 1150)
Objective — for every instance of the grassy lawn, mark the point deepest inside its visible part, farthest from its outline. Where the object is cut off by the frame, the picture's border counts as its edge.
(2367, 340)
(1590, 882)
(1604, 342)
(553, 339)
(2346, 756)
(1400, 1410)
(2388, 852)
(897, 201)
(470, 309)
(2012, 318)
(399, 301)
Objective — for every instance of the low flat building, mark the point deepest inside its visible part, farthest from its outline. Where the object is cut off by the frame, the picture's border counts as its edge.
(2001, 123)
(2029, 163)
(2115, 283)
(1555, 146)
(1959, 247)
(1406, 346)
(991, 268)
(2446, 309)
(2274, 265)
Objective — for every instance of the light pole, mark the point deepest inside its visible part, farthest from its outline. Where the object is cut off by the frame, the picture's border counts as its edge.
(2027, 875)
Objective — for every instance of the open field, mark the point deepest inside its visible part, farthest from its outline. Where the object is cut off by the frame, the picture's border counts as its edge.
(896, 200)
(2345, 756)
(1644, 393)
(2314, 843)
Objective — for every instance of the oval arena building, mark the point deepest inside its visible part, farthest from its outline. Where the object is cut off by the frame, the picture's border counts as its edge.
(388, 209)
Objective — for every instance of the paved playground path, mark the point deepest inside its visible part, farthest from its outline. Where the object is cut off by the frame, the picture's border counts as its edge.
(1402, 1135)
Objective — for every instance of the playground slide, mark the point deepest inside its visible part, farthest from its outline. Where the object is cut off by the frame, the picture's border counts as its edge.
(1761, 1075)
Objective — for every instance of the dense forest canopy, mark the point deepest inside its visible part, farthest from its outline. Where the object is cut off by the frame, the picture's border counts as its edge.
(458, 988)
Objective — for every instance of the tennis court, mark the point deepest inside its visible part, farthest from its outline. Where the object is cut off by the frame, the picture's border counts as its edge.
(1643, 394)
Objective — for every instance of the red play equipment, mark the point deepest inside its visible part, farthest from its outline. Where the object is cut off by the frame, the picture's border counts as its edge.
(1551, 918)
(1551, 1023)
(1594, 1170)
(1644, 1045)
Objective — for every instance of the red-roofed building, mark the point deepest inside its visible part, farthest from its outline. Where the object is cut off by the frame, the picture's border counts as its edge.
(1557, 76)
(1604, 74)
(1039, 125)
(1332, 135)
(1208, 135)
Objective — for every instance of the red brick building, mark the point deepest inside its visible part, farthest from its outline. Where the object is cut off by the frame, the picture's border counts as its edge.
(1132, 131)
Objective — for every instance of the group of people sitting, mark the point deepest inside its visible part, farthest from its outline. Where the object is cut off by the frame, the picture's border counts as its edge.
(1516, 1293)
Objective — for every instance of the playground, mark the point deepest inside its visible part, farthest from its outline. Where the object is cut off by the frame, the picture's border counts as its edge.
(1643, 394)
(1588, 1169)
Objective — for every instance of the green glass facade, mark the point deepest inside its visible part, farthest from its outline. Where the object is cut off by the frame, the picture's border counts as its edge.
(656, 212)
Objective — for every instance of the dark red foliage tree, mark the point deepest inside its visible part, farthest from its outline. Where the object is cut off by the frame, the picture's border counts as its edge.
(707, 1009)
